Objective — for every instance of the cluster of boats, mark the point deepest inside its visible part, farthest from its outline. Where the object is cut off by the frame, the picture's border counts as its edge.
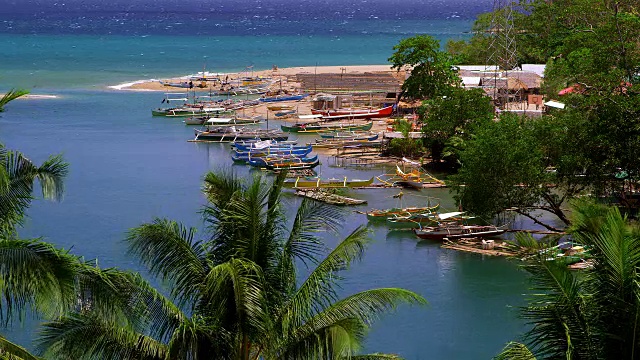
(428, 223)
(274, 156)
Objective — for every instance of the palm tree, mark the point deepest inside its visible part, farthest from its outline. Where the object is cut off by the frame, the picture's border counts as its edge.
(17, 177)
(236, 294)
(37, 276)
(10, 96)
(593, 314)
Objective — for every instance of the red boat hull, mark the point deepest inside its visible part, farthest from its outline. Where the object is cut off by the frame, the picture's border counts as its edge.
(361, 113)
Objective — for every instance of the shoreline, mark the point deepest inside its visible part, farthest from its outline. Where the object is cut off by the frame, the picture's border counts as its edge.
(280, 73)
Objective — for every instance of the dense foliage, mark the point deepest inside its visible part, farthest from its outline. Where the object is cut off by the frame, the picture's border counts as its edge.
(591, 146)
(449, 121)
(432, 72)
(592, 314)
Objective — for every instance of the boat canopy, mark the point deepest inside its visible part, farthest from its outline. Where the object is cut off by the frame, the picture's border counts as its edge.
(220, 120)
(314, 116)
(444, 216)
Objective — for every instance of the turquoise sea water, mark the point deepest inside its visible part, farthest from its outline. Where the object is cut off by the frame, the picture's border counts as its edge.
(127, 167)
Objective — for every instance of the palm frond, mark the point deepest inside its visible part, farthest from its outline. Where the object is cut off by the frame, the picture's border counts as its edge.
(51, 176)
(16, 197)
(35, 275)
(85, 336)
(318, 289)
(558, 305)
(169, 250)
(12, 351)
(200, 339)
(233, 292)
(10, 96)
(341, 339)
(515, 351)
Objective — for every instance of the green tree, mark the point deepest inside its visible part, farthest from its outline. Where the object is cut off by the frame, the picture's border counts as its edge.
(449, 121)
(592, 314)
(10, 96)
(236, 295)
(432, 71)
(522, 165)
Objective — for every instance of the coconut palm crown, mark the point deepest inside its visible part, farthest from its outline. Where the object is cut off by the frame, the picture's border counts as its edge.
(594, 313)
(237, 293)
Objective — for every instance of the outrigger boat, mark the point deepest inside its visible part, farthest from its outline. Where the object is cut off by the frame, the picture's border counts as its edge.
(365, 113)
(283, 160)
(429, 218)
(283, 98)
(320, 127)
(375, 215)
(259, 145)
(185, 111)
(231, 134)
(299, 165)
(349, 135)
(280, 107)
(456, 231)
(234, 121)
(273, 151)
(308, 183)
(414, 179)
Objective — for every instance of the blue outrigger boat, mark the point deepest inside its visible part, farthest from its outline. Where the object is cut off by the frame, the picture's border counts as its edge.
(283, 98)
(270, 161)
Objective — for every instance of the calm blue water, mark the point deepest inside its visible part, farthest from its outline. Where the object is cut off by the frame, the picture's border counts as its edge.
(127, 167)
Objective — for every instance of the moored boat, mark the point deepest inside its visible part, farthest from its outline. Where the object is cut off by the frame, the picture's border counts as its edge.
(320, 127)
(374, 215)
(185, 111)
(364, 113)
(413, 221)
(349, 135)
(456, 231)
(231, 134)
(283, 98)
(294, 165)
(281, 160)
(301, 182)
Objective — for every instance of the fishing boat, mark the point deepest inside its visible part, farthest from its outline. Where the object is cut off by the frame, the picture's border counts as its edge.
(329, 198)
(185, 111)
(349, 135)
(258, 145)
(280, 107)
(285, 114)
(273, 151)
(416, 178)
(231, 134)
(375, 215)
(413, 221)
(365, 113)
(292, 165)
(457, 231)
(218, 121)
(303, 182)
(321, 127)
(283, 98)
(282, 160)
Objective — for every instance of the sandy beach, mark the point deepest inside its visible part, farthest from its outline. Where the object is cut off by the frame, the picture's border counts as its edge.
(282, 79)
(277, 74)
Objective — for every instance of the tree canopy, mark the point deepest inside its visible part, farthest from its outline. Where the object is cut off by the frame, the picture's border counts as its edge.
(449, 121)
(236, 294)
(432, 71)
